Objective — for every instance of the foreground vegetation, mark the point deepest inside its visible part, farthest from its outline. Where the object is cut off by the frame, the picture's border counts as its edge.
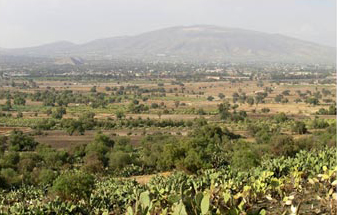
(304, 183)
(216, 172)
(168, 139)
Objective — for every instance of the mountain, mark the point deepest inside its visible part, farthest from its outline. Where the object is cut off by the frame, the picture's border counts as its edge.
(47, 50)
(192, 43)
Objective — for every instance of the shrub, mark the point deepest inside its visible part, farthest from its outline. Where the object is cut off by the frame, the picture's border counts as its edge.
(244, 159)
(210, 98)
(283, 145)
(18, 141)
(119, 159)
(10, 176)
(59, 112)
(299, 128)
(93, 163)
(319, 123)
(281, 117)
(46, 176)
(73, 185)
(52, 158)
(9, 160)
(265, 110)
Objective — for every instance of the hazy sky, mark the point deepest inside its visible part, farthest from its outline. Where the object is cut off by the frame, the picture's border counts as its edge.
(34, 22)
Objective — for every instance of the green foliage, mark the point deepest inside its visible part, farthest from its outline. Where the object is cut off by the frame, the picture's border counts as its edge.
(9, 160)
(299, 127)
(120, 115)
(18, 141)
(221, 96)
(278, 98)
(98, 149)
(46, 176)
(244, 158)
(10, 177)
(73, 185)
(73, 126)
(283, 145)
(225, 114)
(137, 108)
(93, 163)
(265, 110)
(93, 89)
(250, 101)
(331, 111)
(210, 98)
(119, 159)
(18, 100)
(52, 158)
(281, 117)
(312, 101)
(59, 112)
(213, 191)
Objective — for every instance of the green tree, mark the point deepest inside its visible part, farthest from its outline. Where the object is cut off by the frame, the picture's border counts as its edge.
(312, 101)
(281, 117)
(46, 176)
(221, 96)
(18, 141)
(19, 115)
(119, 159)
(10, 177)
(250, 101)
(283, 145)
(278, 98)
(93, 163)
(73, 185)
(93, 89)
(59, 112)
(18, 100)
(244, 158)
(72, 125)
(299, 127)
(101, 145)
(120, 114)
(210, 98)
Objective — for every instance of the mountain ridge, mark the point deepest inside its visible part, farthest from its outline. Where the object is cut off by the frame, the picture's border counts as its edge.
(198, 43)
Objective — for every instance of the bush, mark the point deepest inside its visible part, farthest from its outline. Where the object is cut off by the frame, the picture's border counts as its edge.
(281, 117)
(19, 115)
(192, 162)
(265, 110)
(119, 159)
(46, 176)
(28, 161)
(73, 185)
(319, 123)
(59, 112)
(93, 163)
(210, 98)
(10, 176)
(9, 160)
(3, 144)
(18, 141)
(244, 159)
(283, 145)
(101, 145)
(299, 128)
(52, 158)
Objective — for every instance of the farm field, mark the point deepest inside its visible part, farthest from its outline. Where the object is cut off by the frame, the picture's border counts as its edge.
(169, 145)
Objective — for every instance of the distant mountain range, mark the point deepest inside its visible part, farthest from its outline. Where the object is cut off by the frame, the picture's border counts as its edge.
(192, 43)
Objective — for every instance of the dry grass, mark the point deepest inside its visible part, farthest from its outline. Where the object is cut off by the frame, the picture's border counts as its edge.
(144, 179)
